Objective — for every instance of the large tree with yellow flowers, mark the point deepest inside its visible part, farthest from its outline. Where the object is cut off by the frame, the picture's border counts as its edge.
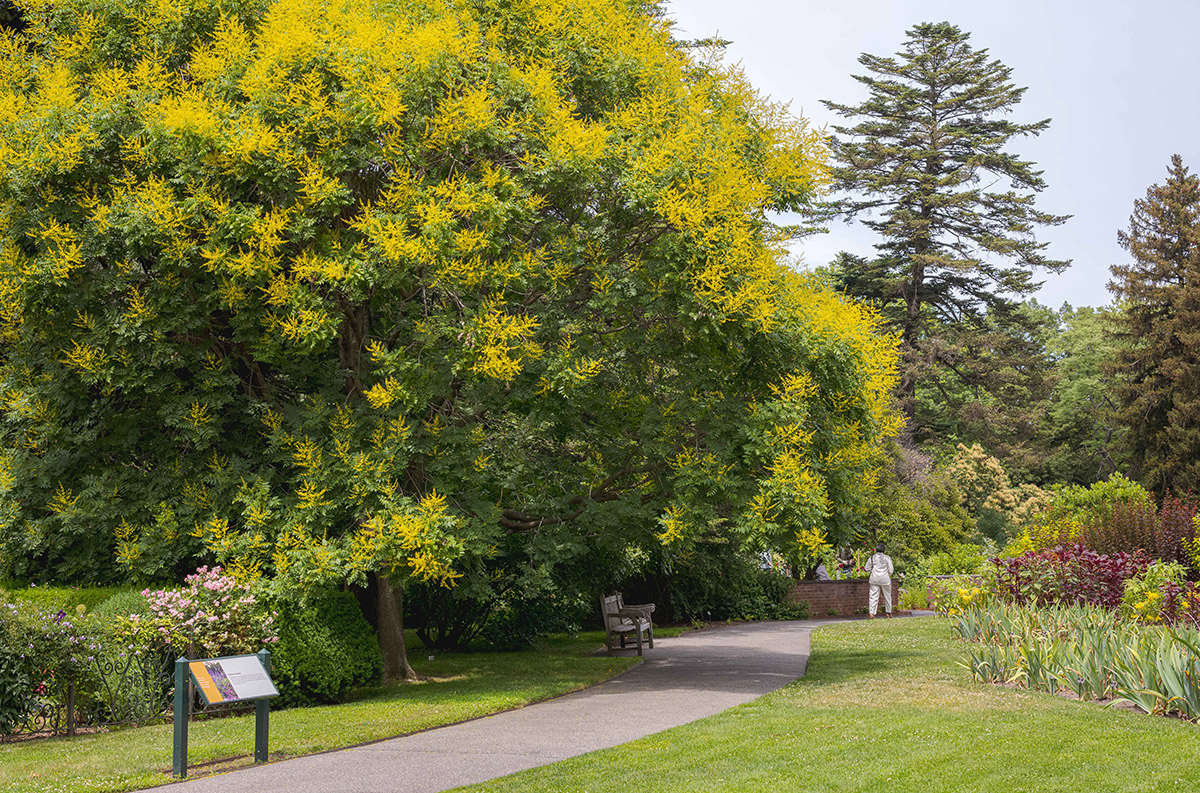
(336, 291)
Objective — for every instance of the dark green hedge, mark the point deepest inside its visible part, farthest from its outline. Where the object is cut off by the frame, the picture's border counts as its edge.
(53, 598)
(324, 651)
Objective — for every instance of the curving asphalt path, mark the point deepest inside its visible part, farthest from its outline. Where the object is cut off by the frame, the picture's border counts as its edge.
(683, 679)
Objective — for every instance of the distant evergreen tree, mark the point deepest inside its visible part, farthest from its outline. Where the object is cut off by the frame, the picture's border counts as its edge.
(1158, 362)
(922, 163)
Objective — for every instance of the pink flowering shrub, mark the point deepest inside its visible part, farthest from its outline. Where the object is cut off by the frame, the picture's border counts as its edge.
(212, 614)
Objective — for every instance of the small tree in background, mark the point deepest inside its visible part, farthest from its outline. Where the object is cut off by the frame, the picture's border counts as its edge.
(1158, 330)
(1080, 435)
(999, 505)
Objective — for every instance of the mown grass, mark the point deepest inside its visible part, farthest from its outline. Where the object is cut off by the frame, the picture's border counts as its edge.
(460, 686)
(885, 707)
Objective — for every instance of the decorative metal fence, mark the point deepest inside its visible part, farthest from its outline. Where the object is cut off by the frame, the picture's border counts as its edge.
(128, 688)
(115, 689)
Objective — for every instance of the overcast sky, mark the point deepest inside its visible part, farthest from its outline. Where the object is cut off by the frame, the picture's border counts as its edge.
(1118, 78)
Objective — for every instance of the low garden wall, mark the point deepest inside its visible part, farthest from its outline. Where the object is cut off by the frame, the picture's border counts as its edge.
(837, 598)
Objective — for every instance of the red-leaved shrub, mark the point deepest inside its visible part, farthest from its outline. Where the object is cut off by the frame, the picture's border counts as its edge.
(1131, 526)
(1068, 574)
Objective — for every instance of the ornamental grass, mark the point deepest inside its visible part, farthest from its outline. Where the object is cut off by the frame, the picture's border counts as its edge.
(1087, 650)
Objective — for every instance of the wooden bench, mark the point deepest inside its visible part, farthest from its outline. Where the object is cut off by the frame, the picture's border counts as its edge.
(621, 620)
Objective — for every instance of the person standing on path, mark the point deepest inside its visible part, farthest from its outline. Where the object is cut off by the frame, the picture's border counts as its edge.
(879, 566)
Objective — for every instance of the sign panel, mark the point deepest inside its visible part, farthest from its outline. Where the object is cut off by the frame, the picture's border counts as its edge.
(232, 679)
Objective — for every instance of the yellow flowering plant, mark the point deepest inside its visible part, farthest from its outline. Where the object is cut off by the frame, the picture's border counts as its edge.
(958, 594)
(329, 293)
(1144, 599)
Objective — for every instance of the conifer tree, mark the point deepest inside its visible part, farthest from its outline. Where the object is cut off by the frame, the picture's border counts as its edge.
(1158, 361)
(925, 165)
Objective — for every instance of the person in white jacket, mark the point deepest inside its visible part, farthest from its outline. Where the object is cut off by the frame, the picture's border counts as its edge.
(879, 567)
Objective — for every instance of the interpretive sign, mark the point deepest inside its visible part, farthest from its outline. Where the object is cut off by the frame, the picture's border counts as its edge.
(235, 678)
(232, 679)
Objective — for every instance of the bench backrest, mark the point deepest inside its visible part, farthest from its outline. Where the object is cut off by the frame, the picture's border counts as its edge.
(609, 606)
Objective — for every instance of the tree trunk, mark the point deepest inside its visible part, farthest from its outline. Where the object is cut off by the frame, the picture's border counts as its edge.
(390, 604)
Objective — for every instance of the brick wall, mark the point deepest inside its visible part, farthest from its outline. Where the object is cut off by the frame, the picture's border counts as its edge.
(841, 598)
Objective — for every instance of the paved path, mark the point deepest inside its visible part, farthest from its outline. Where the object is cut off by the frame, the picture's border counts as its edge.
(682, 680)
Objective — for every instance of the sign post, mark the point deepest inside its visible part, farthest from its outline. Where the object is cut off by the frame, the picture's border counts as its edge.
(262, 713)
(236, 678)
(179, 755)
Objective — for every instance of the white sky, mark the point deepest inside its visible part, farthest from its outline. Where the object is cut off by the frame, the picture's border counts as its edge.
(1119, 78)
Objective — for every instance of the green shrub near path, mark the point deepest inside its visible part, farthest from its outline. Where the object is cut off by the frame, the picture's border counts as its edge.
(324, 651)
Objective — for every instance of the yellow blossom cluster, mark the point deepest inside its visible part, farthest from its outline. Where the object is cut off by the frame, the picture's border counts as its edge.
(985, 485)
(349, 220)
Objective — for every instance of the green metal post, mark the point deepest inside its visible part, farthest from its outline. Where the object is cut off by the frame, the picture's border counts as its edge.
(262, 714)
(182, 690)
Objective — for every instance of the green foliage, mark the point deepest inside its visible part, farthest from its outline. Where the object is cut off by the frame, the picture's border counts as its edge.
(715, 582)
(920, 165)
(323, 292)
(1080, 440)
(66, 598)
(10, 16)
(513, 598)
(16, 688)
(125, 603)
(917, 513)
(325, 650)
(990, 383)
(963, 558)
(517, 623)
(1145, 594)
(1079, 503)
(1158, 359)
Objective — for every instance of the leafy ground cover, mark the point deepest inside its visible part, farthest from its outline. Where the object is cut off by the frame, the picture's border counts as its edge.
(460, 686)
(885, 706)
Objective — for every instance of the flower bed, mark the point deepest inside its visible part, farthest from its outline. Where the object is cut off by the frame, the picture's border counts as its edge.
(1068, 574)
(60, 670)
(1089, 651)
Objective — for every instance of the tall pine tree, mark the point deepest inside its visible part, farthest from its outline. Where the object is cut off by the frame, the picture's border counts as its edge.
(1158, 362)
(922, 166)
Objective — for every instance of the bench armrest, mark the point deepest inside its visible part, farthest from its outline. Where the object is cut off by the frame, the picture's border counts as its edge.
(629, 611)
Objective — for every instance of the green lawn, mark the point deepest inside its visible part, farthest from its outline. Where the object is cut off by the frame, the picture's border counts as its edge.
(884, 707)
(461, 687)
